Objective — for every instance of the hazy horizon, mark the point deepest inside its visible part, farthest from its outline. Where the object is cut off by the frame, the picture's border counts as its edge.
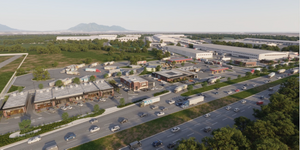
(155, 16)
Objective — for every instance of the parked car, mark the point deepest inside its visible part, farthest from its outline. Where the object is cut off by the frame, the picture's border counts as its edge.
(115, 128)
(34, 139)
(157, 143)
(63, 108)
(179, 104)
(143, 115)
(175, 129)
(228, 108)
(154, 107)
(124, 120)
(80, 104)
(171, 102)
(259, 102)
(207, 115)
(236, 110)
(254, 85)
(94, 120)
(243, 101)
(237, 90)
(279, 77)
(160, 113)
(229, 92)
(102, 99)
(69, 107)
(94, 129)
(207, 129)
(163, 108)
(171, 145)
(70, 137)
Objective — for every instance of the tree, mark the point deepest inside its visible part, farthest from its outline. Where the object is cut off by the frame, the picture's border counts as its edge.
(239, 76)
(270, 67)
(41, 86)
(96, 108)
(173, 63)
(131, 72)
(158, 68)
(122, 102)
(105, 75)
(278, 67)
(291, 64)
(161, 41)
(228, 79)
(92, 78)
(59, 83)
(248, 74)
(272, 62)
(241, 64)
(230, 61)
(270, 143)
(242, 122)
(218, 81)
(191, 46)
(178, 44)
(76, 80)
(20, 88)
(88, 60)
(55, 64)
(190, 87)
(182, 64)
(144, 50)
(188, 144)
(264, 70)
(65, 116)
(257, 72)
(24, 124)
(119, 74)
(204, 84)
(40, 73)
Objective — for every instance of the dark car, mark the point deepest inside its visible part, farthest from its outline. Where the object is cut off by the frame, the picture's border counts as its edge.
(207, 129)
(124, 120)
(143, 115)
(179, 104)
(70, 137)
(163, 108)
(216, 93)
(157, 143)
(200, 94)
(171, 145)
(217, 88)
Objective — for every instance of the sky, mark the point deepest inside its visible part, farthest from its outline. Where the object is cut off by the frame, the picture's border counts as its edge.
(154, 15)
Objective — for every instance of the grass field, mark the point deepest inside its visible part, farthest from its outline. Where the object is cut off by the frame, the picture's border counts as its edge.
(5, 76)
(3, 58)
(14, 88)
(123, 138)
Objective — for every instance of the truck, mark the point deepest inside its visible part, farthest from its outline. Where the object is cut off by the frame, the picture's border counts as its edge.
(180, 88)
(93, 64)
(192, 101)
(281, 71)
(111, 67)
(295, 70)
(226, 65)
(114, 70)
(92, 70)
(272, 74)
(149, 101)
(73, 72)
(80, 66)
(214, 79)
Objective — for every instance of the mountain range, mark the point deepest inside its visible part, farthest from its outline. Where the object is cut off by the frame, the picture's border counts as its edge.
(83, 27)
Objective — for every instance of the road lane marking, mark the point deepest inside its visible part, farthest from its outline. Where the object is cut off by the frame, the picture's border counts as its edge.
(190, 134)
(242, 110)
(176, 140)
(224, 119)
(170, 135)
(202, 129)
(197, 124)
(218, 115)
(233, 115)
(214, 123)
(185, 129)
(160, 147)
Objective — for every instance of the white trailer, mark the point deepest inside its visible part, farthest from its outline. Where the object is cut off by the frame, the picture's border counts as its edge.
(73, 72)
(192, 101)
(94, 64)
(180, 88)
(214, 79)
(80, 66)
(295, 71)
(281, 71)
(149, 101)
(110, 67)
(272, 74)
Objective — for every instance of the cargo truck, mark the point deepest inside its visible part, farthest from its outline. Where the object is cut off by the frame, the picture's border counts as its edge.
(192, 101)
(73, 72)
(295, 71)
(180, 88)
(92, 70)
(281, 71)
(214, 79)
(272, 74)
(93, 64)
(149, 101)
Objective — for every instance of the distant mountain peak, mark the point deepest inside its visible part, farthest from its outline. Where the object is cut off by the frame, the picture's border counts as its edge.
(6, 28)
(95, 27)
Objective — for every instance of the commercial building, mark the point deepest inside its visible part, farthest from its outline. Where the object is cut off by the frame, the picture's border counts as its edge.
(179, 60)
(191, 53)
(134, 83)
(218, 70)
(174, 75)
(249, 53)
(92, 37)
(167, 37)
(129, 38)
(15, 104)
(246, 62)
(269, 41)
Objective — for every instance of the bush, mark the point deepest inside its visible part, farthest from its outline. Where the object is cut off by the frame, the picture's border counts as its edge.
(65, 116)
(76, 80)
(160, 93)
(96, 108)
(59, 83)
(25, 124)
(55, 64)
(122, 102)
(41, 86)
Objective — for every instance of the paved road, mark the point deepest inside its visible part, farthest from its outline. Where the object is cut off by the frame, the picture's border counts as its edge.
(219, 118)
(83, 135)
(2, 64)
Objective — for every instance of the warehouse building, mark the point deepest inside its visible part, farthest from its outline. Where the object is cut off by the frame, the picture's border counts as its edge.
(15, 104)
(246, 62)
(128, 38)
(249, 53)
(191, 53)
(92, 37)
(134, 83)
(269, 41)
(179, 60)
(173, 38)
(174, 75)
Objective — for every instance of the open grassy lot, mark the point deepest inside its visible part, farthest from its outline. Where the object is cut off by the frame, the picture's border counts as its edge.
(3, 58)
(123, 138)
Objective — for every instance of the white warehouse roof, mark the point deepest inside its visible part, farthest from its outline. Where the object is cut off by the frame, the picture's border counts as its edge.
(185, 49)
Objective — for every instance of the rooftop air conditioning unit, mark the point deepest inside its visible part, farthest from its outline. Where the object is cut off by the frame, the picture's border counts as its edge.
(62, 87)
(56, 88)
(22, 93)
(41, 91)
(76, 85)
(71, 86)
(14, 94)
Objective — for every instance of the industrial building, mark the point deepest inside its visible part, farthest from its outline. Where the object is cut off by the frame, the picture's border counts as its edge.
(128, 38)
(15, 104)
(92, 37)
(167, 37)
(179, 60)
(174, 75)
(249, 53)
(191, 53)
(134, 83)
(269, 41)
(246, 62)
(218, 70)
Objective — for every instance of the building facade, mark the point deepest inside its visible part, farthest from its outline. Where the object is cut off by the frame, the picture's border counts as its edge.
(188, 52)
(134, 83)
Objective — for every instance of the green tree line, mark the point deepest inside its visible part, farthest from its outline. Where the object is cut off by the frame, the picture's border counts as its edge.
(294, 48)
(241, 36)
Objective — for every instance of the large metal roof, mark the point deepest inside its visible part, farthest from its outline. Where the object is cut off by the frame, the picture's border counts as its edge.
(271, 40)
(185, 49)
(16, 100)
(43, 95)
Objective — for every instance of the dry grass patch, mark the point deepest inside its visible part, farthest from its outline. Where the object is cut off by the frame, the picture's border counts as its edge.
(11, 67)
(3, 58)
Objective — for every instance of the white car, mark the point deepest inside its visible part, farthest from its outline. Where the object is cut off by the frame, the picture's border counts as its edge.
(63, 108)
(254, 85)
(278, 77)
(207, 115)
(243, 101)
(236, 110)
(175, 129)
(244, 88)
(34, 139)
(94, 129)
(79, 104)
(69, 107)
(228, 108)
(160, 113)
(229, 92)
(171, 102)
(154, 107)
(115, 128)
(102, 99)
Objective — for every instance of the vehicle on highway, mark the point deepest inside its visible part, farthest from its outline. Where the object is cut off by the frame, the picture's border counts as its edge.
(126, 89)
(115, 128)
(243, 101)
(259, 103)
(207, 115)
(171, 102)
(154, 107)
(246, 84)
(70, 136)
(157, 143)
(63, 108)
(216, 93)
(135, 145)
(171, 145)
(124, 120)
(80, 104)
(279, 77)
(254, 85)
(94, 129)
(179, 103)
(160, 113)
(163, 108)
(236, 110)
(270, 89)
(143, 115)
(94, 120)
(262, 97)
(69, 107)
(34, 139)
(244, 87)
(228, 108)
(217, 88)
(200, 94)
(52, 147)
(207, 129)
(229, 92)
(175, 129)
(237, 90)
